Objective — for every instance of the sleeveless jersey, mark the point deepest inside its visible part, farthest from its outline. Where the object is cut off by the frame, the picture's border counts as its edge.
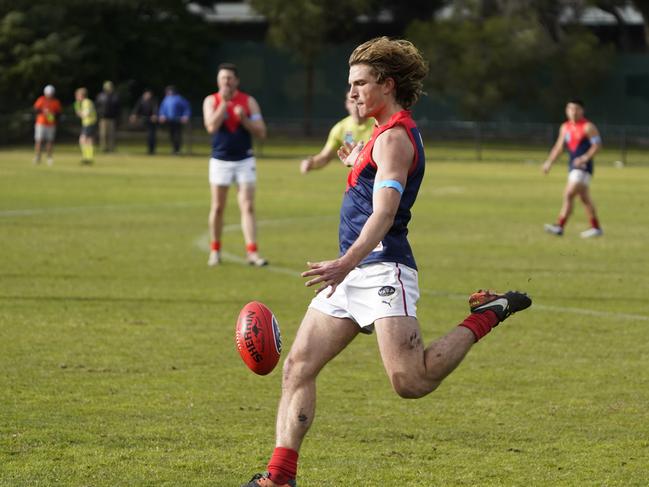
(577, 143)
(357, 203)
(232, 142)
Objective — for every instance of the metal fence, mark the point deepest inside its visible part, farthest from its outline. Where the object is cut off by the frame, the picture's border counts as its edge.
(624, 142)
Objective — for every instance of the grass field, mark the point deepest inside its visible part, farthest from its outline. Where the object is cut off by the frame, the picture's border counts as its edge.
(117, 358)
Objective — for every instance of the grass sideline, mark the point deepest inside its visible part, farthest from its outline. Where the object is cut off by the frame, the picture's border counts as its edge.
(117, 342)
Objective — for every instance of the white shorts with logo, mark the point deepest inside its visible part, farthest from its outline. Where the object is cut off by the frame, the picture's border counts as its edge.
(579, 176)
(226, 173)
(370, 292)
(44, 133)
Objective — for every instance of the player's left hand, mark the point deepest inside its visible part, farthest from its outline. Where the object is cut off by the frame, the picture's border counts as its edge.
(580, 162)
(349, 152)
(330, 273)
(239, 111)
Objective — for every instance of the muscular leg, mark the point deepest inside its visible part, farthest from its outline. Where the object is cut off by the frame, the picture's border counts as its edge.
(217, 208)
(246, 199)
(584, 194)
(415, 371)
(319, 339)
(568, 196)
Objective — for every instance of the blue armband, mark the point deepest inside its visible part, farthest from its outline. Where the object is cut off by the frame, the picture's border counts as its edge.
(388, 183)
(255, 116)
(596, 140)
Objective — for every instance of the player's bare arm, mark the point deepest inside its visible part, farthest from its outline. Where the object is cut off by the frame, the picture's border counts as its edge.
(254, 123)
(393, 153)
(320, 160)
(595, 146)
(556, 150)
(213, 116)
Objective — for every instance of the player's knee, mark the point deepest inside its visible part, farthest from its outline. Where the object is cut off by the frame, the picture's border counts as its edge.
(247, 206)
(412, 388)
(295, 370)
(217, 209)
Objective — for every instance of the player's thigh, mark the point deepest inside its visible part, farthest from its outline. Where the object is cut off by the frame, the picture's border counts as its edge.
(571, 190)
(400, 344)
(319, 339)
(246, 194)
(219, 195)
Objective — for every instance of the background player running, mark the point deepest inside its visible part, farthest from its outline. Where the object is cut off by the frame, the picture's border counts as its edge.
(582, 140)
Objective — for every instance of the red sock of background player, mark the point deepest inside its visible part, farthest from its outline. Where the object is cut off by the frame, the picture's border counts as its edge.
(480, 323)
(215, 246)
(594, 222)
(251, 247)
(562, 221)
(282, 466)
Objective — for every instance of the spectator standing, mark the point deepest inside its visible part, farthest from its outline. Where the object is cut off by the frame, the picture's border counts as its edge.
(146, 109)
(175, 111)
(108, 108)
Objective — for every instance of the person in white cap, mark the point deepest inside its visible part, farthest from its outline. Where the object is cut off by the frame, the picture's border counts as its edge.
(47, 109)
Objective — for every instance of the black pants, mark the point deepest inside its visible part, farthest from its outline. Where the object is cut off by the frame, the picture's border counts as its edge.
(151, 136)
(176, 135)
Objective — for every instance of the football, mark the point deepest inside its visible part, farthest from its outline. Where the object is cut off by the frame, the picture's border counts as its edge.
(258, 338)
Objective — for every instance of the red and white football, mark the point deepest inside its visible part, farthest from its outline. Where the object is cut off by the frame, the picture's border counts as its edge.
(258, 338)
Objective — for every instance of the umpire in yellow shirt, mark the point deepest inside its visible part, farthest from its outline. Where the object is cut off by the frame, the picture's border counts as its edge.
(353, 129)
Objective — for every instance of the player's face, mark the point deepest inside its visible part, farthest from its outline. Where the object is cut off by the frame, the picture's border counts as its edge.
(369, 95)
(574, 112)
(226, 80)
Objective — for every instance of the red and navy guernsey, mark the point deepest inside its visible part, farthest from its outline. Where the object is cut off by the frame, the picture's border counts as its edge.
(577, 143)
(232, 142)
(357, 201)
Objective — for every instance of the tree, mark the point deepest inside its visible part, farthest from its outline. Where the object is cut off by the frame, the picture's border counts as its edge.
(486, 62)
(74, 42)
(305, 27)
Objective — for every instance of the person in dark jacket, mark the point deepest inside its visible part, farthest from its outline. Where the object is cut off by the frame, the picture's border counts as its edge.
(146, 109)
(108, 108)
(175, 112)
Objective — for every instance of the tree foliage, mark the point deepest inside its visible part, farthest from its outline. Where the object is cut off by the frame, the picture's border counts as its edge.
(305, 28)
(74, 42)
(487, 62)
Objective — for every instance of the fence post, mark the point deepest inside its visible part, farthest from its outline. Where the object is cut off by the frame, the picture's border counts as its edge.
(624, 142)
(478, 141)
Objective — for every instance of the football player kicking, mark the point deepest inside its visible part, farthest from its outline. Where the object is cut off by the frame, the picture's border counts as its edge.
(582, 140)
(373, 284)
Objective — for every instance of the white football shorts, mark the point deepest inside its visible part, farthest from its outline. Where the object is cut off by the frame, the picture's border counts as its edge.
(579, 176)
(44, 133)
(370, 292)
(226, 173)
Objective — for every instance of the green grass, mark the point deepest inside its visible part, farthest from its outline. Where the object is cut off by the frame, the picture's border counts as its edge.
(117, 357)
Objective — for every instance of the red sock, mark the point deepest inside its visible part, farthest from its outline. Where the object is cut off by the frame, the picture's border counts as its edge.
(480, 323)
(594, 222)
(282, 466)
(251, 247)
(215, 246)
(562, 221)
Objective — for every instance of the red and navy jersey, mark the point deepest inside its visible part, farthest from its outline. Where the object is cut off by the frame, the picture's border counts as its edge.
(577, 142)
(232, 142)
(357, 203)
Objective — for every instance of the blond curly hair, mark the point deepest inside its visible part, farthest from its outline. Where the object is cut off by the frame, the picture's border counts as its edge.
(398, 59)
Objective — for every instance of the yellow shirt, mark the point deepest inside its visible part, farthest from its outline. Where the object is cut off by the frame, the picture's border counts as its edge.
(350, 131)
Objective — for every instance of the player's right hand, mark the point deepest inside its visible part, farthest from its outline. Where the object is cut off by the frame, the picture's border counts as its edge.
(348, 152)
(306, 165)
(546, 167)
